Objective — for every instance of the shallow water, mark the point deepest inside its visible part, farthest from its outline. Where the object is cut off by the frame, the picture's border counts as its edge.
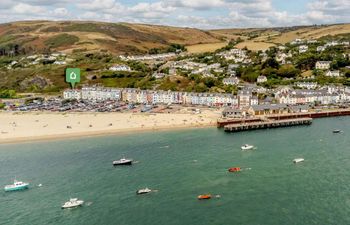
(181, 165)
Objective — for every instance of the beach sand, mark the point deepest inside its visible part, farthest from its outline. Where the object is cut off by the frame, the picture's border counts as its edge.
(30, 126)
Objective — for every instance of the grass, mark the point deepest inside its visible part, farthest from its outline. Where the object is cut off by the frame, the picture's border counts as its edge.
(201, 48)
(61, 40)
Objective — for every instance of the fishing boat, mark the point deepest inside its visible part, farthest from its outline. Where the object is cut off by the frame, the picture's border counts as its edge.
(72, 203)
(336, 131)
(203, 197)
(247, 147)
(16, 186)
(234, 169)
(143, 191)
(122, 162)
(298, 160)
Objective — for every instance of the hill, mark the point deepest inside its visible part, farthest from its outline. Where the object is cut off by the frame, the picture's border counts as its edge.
(118, 38)
(260, 39)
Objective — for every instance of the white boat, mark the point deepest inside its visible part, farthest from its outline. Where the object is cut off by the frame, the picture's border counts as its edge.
(72, 203)
(16, 186)
(247, 147)
(143, 191)
(122, 161)
(298, 160)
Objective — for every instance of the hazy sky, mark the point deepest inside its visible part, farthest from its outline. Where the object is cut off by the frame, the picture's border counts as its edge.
(190, 13)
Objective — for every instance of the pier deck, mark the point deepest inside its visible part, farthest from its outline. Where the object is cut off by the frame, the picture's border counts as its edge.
(267, 124)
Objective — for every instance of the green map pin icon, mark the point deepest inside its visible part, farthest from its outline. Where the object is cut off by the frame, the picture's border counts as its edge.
(73, 76)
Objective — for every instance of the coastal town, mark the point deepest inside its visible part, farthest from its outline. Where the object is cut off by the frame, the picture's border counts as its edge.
(323, 86)
(230, 84)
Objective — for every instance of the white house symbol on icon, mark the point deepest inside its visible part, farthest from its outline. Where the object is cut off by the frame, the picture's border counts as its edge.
(73, 76)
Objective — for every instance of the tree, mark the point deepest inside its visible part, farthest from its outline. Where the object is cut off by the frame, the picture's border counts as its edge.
(270, 62)
(288, 71)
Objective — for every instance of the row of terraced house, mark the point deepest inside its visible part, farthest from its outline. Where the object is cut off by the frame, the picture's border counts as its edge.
(132, 95)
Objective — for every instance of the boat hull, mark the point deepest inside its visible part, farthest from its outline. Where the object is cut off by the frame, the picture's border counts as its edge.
(122, 163)
(7, 189)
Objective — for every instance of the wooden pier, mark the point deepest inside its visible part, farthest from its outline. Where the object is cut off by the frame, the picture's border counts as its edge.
(267, 124)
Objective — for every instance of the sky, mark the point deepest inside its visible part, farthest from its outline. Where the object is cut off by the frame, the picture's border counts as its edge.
(203, 14)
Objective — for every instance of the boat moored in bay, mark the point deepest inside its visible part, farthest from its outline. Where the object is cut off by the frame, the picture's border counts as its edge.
(122, 162)
(72, 203)
(204, 197)
(143, 191)
(247, 147)
(17, 186)
(234, 169)
(298, 160)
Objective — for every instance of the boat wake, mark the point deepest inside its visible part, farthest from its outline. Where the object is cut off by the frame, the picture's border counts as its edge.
(166, 146)
(88, 203)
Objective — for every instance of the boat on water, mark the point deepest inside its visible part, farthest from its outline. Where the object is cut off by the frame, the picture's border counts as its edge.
(336, 131)
(72, 203)
(247, 147)
(143, 191)
(122, 162)
(203, 197)
(298, 160)
(234, 169)
(17, 186)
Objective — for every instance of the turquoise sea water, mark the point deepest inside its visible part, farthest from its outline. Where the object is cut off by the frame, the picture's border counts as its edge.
(182, 165)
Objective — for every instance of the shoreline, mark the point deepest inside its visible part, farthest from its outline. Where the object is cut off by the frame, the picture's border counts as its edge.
(91, 134)
(46, 126)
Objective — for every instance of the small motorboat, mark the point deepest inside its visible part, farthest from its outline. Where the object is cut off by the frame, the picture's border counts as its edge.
(72, 203)
(336, 131)
(122, 162)
(298, 160)
(143, 191)
(203, 197)
(247, 147)
(234, 169)
(16, 186)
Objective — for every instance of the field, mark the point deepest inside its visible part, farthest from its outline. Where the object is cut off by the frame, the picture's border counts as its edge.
(201, 48)
(260, 39)
(255, 46)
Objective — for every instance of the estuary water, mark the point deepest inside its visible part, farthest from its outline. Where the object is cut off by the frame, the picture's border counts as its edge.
(180, 165)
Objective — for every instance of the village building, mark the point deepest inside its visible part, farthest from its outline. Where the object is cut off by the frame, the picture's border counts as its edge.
(123, 68)
(232, 113)
(307, 85)
(303, 48)
(268, 109)
(230, 81)
(323, 65)
(261, 79)
(333, 73)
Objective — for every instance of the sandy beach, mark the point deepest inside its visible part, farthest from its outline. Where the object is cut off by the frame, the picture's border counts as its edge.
(29, 126)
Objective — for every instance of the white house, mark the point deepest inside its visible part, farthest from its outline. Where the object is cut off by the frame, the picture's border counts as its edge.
(72, 94)
(321, 48)
(158, 75)
(307, 85)
(261, 79)
(123, 68)
(303, 48)
(333, 73)
(323, 65)
(230, 81)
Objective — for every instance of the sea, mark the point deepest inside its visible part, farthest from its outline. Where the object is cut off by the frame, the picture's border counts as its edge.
(178, 166)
